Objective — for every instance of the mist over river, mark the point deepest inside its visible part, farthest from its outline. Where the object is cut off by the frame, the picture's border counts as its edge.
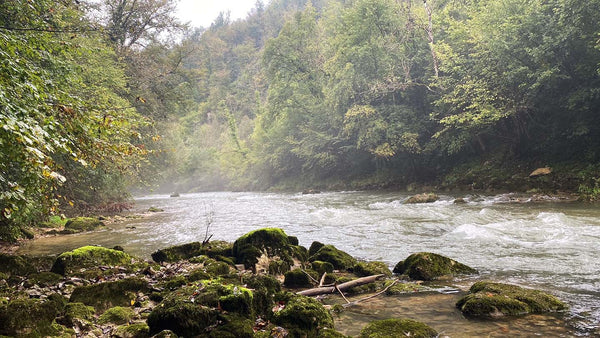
(549, 246)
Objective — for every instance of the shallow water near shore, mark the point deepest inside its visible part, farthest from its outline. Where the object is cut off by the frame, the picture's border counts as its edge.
(550, 246)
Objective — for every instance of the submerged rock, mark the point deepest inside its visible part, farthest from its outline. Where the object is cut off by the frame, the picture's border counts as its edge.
(88, 257)
(397, 328)
(338, 258)
(422, 198)
(492, 300)
(429, 266)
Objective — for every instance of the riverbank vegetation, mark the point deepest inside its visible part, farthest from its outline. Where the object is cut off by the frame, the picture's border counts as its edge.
(97, 97)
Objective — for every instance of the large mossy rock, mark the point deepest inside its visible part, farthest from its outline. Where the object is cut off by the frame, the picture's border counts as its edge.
(492, 300)
(16, 265)
(88, 257)
(338, 258)
(176, 253)
(422, 198)
(363, 269)
(429, 266)
(103, 296)
(81, 224)
(272, 242)
(302, 316)
(397, 328)
(31, 317)
(184, 318)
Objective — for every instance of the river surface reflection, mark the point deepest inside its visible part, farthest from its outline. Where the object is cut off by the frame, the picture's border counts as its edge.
(550, 246)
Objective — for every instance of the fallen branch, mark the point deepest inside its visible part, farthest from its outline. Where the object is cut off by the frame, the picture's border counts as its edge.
(309, 276)
(322, 279)
(341, 293)
(370, 297)
(341, 287)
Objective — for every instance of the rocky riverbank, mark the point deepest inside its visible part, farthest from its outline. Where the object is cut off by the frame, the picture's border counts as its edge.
(254, 287)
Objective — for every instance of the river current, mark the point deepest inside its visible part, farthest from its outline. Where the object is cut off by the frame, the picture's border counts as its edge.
(549, 246)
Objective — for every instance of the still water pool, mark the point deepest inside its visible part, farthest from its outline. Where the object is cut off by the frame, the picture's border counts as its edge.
(549, 246)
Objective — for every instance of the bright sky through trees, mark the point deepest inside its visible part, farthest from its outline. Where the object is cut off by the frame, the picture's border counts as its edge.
(203, 12)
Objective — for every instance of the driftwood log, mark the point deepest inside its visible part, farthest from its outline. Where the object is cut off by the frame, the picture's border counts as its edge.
(341, 287)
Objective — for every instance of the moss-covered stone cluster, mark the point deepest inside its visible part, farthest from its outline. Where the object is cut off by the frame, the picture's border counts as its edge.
(244, 289)
(491, 300)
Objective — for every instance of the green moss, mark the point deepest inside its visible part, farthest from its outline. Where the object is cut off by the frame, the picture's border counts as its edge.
(422, 198)
(137, 330)
(30, 315)
(27, 232)
(182, 317)
(278, 267)
(429, 266)
(16, 265)
(389, 328)
(88, 257)
(314, 247)
(271, 241)
(238, 300)
(233, 326)
(363, 269)
(322, 267)
(174, 283)
(338, 258)
(265, 287)
(216, 269)
(155, 209)
(116, 315)
(45, 278)
(490, 300)
(297, 279)
(106, 295)
(77, 311)
(81, 224)
(189, 250)
(302, 316)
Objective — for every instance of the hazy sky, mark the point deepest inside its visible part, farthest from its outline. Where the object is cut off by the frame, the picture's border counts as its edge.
(203, 12)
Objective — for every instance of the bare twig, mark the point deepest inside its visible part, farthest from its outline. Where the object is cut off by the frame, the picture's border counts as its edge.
(309, 276)
(341, 293)
(372, 296)
(322, 279)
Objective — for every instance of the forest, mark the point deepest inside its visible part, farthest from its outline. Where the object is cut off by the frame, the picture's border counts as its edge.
(101, 98)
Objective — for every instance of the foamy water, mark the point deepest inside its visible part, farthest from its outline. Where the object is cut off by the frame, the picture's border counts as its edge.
(552, 246)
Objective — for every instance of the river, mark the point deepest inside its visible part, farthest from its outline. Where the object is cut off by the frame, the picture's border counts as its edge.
(549, 246)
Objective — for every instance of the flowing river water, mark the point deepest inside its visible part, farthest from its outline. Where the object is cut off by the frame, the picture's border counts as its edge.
(550, 246)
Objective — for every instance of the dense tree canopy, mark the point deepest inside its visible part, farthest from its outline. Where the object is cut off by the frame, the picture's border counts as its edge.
(323, 93)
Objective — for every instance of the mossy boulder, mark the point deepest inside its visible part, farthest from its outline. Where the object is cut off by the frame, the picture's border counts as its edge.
(116, 315)
(136, 330)
(30, 317)
(265, 287)
(395, 327)
(155, 209)
(272, 242)
(45, 278)
(16, 265)
(189, 250)
(232, 326)
(314, 247)
(88, 257)
(429, 266)
(109, 294)
(302, 316)
(492, 300)
(422, 198)
(322, 267)
(182, 317)
(363, 269)
(81, 224)
(77, 311)
(338, 258)
(297, 279)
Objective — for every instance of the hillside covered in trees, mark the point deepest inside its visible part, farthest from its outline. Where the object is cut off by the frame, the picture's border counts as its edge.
(99, 97)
